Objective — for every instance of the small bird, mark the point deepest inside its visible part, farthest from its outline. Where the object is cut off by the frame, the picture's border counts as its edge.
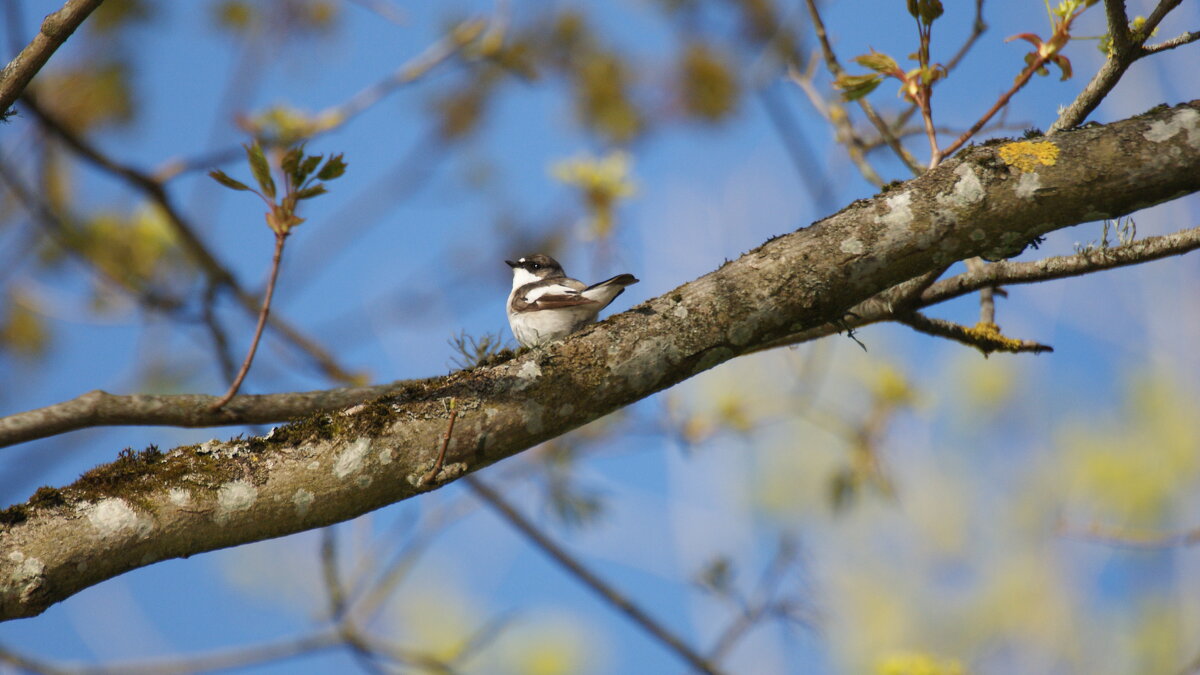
(546, 304)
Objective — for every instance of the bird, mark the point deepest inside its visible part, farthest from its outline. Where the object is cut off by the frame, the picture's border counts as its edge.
(545, 304)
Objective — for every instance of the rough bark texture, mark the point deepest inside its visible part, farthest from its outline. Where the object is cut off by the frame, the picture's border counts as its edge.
(56, 28)
(988, 201)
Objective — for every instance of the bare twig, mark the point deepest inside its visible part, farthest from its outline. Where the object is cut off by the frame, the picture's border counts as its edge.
(213, 268)
(1036, 64)
(760, 605)
(835, 69)
(855, 146)
(429, 477)
(1119, 59)
(227, 660)
(1185, 39)
(588, 578)
(56, 28)
(334, 589)
(985, 337)
(280, 238)
(1132, 539)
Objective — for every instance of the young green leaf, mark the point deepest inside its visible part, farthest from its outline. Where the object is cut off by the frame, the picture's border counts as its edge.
(855, 87)
(220, 176)
(291, 164)
(334, 168)
(260, 169)
(307, 167)
(880, 63)
(310, 192)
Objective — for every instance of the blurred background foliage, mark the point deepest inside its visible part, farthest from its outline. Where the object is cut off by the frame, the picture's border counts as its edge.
(902, 506)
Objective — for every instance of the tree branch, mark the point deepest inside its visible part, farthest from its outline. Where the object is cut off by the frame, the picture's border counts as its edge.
(99, 409)
(985, 336)
(56, 28)
(331, 467)
(1120, 58)
(217, 273)
(585, 576)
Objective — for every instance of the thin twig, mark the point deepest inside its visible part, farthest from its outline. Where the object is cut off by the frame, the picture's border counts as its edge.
(1131, 539)
(227, 660)
(1185, 39)
(429, 477)
(1110, 73)
(56, 28)
(987, 294)
(1038, 62)
(588, 578)
(985, 337)
(759, 606)
(334, 589)
(835, 69)
(846, 136)
(280, 238)
(191, 242)
(812, 173)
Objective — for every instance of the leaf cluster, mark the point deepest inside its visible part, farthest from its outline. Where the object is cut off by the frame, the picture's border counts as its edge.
(303, 177)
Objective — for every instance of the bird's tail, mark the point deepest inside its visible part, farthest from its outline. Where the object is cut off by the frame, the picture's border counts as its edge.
(606, 291)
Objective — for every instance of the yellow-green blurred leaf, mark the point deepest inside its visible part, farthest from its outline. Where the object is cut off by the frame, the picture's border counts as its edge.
(22, 330)
(709, 86)
(94, 94)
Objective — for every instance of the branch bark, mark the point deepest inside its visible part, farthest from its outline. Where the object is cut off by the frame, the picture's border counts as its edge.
(988, 201)
(55, 30)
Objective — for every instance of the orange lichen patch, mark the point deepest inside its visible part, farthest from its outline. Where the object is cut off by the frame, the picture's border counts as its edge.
(1028, 155)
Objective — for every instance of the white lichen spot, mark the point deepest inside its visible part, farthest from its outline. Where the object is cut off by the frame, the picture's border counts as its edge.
(208, 447)
(1185, 120)
(354, 410)
(565, 410)
(303, 499)
(114, 516)
(968, 189)
(363, 481)
(853, 246)
(899, 211)
(385, 455)
(351, 459)
(314, 465)
(27, 575)
(234, 496)
(179, 496)
(680, 311)
(527, 374)
(1028, 185)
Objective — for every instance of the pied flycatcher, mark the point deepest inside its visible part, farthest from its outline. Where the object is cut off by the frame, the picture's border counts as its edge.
(545, 304)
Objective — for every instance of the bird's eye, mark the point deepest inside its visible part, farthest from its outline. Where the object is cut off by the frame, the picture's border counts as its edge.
(535, 266)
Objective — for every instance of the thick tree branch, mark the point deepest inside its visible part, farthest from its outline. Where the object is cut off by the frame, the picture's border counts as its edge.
(331, 467)
(56, 28)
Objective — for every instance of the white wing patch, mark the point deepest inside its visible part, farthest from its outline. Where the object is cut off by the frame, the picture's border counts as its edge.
(555, 289)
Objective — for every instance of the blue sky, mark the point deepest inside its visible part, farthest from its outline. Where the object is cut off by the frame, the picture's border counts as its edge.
(384, 274)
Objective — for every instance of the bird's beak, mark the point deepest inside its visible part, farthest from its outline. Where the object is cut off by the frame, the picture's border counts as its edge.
(510, 263)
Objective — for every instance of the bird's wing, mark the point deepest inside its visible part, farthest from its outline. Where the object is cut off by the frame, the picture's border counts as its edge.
(550, 296)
